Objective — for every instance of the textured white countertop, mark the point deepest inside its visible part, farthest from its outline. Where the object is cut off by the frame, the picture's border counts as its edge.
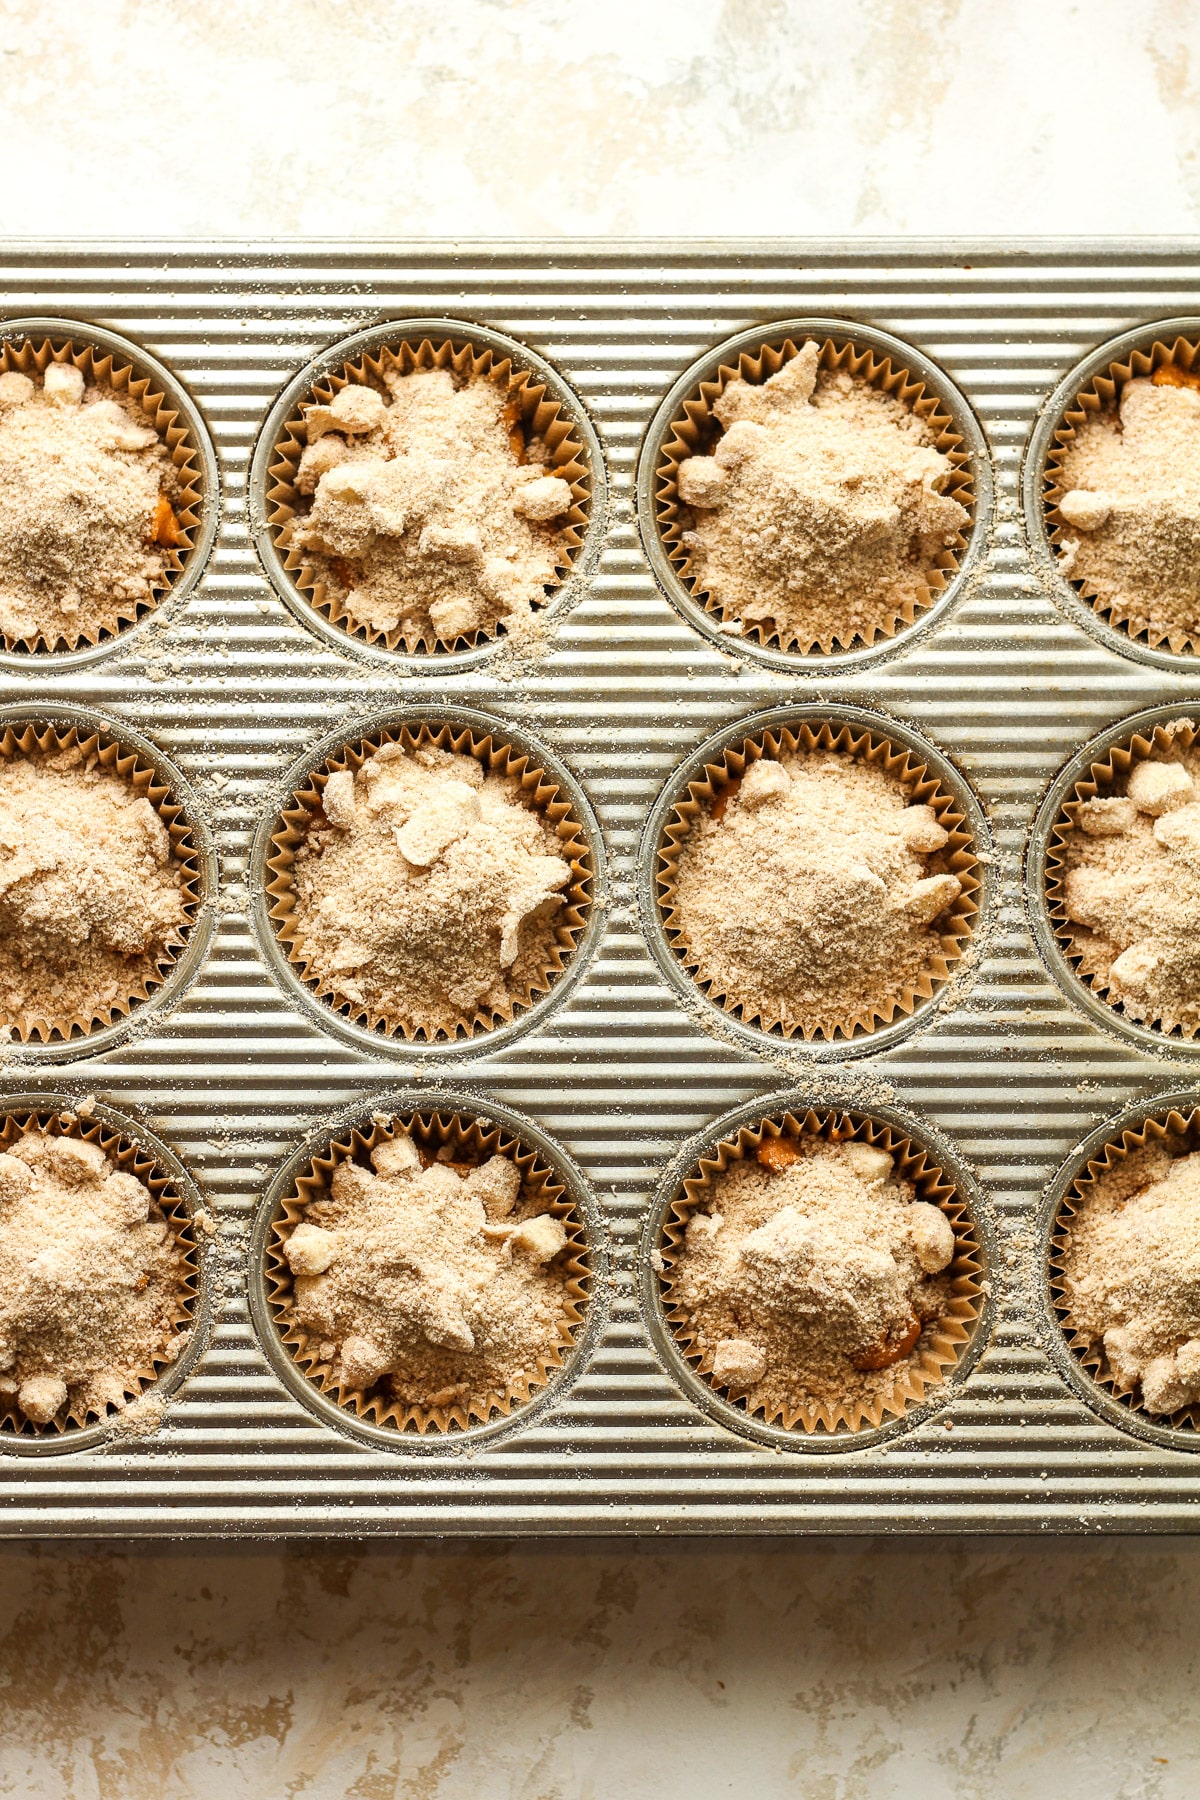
(521, 117)
(863, 1671)
(638, 1672)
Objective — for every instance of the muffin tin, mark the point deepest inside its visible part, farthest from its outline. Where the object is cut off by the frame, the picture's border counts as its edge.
(621, 1075)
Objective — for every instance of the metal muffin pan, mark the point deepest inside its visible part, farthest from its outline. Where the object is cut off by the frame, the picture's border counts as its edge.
(620, 1071)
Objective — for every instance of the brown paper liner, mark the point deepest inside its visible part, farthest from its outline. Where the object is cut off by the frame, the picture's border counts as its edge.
(1103, 394)
(1106, 777)
(532, 411)
(44, 740)
(1180, 1132)
(472, 1141)
(696, 430)
(105, 371)
(134, 1159)
(941, 1342)
(537, 785)
(956, 858)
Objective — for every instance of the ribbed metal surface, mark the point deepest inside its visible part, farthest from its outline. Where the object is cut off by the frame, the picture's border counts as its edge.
(234, 689)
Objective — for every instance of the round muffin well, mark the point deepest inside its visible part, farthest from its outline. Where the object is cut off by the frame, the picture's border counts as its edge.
(817, 879)
(818, 1300)
(423, 1318)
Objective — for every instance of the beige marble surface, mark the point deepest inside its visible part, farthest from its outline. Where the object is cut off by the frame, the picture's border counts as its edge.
(546, 1672)
(633, 116)
(637, 1672)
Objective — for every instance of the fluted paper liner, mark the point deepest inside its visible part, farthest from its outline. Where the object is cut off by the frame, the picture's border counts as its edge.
(1180, 1132)
(1102, 394)
(942, 1341)
(538, 786)
(104, 370)
(696, 430)
(532, 410)
(132, 1157)
(1106, 776)
(97, 748)
(472, 1141)
(924, 787)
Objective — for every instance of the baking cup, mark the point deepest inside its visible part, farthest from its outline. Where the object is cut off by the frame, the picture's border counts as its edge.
(1094, 388)
(943, 1344)
(471, 1140)
(25, 732)
(175, 1202)
(545, 788)
(1174, 1123)
(538, 404)
(715, 770)
(28, 346)
(686, 426)
(1102, 768)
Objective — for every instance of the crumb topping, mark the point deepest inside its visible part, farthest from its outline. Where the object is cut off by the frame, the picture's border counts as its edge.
(91, 894)
(1132, 891)
(1132, 1275)
(86, 514)
(822, 509)
(90, 1278)
(811, 1273)
(1131, 502)
(813, 895)
(431, 893)
(431, 514)
(442, 1280)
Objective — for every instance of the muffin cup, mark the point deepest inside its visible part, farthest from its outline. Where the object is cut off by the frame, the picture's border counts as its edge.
(942, 1343)
(545, 792)
(472, 1140)
(848, 737)
(36, 736)
(1178, 1128)
(693, 430)
(133, 1154)
(1153, 735)
(532, 408)
(103, 361)
(1098, 393)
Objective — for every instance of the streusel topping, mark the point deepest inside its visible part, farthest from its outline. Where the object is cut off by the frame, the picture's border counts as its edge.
(425, 519)
(445, 1282)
